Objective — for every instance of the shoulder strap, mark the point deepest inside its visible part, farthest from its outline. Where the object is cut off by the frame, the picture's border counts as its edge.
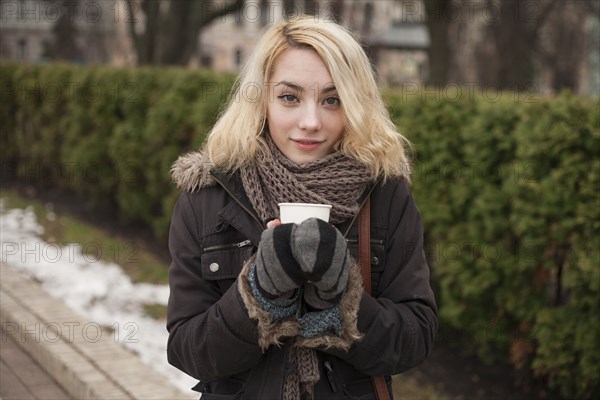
(364, 259)
(364, 244)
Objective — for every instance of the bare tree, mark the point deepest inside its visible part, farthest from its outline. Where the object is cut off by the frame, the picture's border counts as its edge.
(536, 38)
(438, 23)
(510, 44)
(169, 35)
(562, 45)
(64, 45)
(514, 33)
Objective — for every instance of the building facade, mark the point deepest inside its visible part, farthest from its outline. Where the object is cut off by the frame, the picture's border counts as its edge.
(33, 31)
(97, 32)
(392, 33)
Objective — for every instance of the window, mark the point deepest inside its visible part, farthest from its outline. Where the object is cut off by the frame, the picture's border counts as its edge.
(21, 49)
(238, 57)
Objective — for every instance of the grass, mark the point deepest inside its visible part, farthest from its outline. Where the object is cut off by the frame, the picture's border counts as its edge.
(97, 244)
(156, 311)
(407, 389)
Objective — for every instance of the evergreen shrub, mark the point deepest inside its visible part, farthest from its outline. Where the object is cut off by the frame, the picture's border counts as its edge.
(507, 187)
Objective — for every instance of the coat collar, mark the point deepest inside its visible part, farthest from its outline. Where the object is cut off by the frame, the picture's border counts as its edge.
(240, 213)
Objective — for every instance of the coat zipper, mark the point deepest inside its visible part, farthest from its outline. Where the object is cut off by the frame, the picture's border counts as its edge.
(226, 246)
(260, 224)
(331, 377)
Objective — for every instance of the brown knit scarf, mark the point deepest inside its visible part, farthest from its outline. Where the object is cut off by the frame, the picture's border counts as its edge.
(298, 384)
(335, 179)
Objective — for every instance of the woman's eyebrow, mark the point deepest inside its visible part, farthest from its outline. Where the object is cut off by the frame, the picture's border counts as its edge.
(291, 85)
(328, 88)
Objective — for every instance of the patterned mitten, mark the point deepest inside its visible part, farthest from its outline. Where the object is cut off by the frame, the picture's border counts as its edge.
(277, 271)
(323, 256)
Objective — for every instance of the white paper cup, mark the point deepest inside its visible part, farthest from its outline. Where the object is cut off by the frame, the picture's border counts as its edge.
(298, 212)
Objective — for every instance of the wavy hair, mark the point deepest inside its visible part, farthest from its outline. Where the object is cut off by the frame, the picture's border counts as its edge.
(369, 136)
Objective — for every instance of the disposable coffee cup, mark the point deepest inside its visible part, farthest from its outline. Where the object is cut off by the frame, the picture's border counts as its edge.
(298, 212)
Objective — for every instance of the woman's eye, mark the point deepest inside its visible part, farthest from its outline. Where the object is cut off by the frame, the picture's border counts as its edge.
(332, 101)
(288, 98)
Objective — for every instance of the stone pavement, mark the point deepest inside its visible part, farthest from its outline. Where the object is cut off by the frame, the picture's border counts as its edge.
(52, 336)
(21, 378)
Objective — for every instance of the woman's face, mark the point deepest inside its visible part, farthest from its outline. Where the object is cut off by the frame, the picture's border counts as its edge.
(304, 113)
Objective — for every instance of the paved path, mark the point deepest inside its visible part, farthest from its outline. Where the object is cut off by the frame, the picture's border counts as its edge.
(52, 336)
(22, 378)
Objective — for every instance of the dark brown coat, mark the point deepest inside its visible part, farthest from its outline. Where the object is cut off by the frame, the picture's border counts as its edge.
(214, 231)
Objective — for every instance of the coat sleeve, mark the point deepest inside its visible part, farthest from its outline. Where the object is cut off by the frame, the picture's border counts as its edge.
(210, 336)
(398, 326)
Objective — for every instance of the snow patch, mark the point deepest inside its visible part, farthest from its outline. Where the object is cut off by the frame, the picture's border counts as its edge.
(99, 291)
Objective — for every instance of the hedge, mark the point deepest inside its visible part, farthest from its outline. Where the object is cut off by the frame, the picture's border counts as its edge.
(507, 186)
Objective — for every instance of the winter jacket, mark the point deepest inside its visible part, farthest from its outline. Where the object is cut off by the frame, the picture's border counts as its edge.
(215, 231)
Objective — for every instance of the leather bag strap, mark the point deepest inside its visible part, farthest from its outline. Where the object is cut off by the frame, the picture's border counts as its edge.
(364, 259)
(364, 244)
(381, 390)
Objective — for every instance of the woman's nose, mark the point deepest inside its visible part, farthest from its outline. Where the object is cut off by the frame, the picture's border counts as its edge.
(310, 119)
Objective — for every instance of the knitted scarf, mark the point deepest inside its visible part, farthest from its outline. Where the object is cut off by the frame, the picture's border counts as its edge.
(299, 383)
(335, 179)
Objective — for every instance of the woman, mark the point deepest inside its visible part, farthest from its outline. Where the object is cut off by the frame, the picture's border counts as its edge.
(264, 310)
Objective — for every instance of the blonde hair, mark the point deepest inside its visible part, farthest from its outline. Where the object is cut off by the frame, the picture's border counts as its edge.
(369, 137)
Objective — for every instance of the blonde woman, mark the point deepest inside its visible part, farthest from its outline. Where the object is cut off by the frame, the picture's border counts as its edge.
(265, 310)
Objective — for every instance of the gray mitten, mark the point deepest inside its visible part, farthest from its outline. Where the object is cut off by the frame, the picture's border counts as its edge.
(277, 271)
(321, 251)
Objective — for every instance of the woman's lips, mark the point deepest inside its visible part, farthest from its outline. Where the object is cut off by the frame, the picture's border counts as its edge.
(306, 144)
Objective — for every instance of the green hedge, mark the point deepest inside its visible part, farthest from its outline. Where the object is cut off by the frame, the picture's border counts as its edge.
(509, 195)
(107, 134)
(508, 188)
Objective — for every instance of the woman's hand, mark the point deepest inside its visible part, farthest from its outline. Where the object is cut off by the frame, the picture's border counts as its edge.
(273, 223)
(322, 253)
(277, 271)
(312, 254)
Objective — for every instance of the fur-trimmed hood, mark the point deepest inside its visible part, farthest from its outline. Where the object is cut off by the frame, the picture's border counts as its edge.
(191, 171)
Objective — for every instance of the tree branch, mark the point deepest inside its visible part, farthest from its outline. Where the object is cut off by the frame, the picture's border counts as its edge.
(132, 33)
(592, 6)
(543, 17)
(219, 12)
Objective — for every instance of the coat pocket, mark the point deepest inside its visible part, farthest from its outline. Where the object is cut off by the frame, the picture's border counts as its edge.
(226, 389)
(223, 263)
(378, 260)
(359, 389)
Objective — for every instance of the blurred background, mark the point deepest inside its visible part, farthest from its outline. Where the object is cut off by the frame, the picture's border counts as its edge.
(499, 98)
(510, 44)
